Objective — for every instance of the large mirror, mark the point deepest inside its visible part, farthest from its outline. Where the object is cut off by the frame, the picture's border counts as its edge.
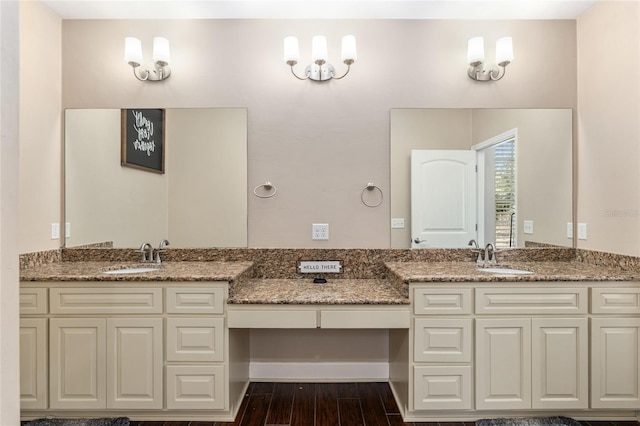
(199, 201)
(535, 144)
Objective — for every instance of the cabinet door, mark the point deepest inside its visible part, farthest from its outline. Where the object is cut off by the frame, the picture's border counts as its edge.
(134, 363)
(33, 363)
(77, 363)
(503, 364)
(559, 363)
(615, 363)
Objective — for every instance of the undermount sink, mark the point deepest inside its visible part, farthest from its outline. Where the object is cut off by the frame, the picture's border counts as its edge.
(133, 270)
(506, 271)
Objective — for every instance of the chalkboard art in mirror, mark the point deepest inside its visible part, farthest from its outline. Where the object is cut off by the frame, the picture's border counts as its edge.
(143, 139)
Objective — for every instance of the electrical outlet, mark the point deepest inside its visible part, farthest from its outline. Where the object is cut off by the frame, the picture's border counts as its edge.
(397, 223)
(528, 227)
(320, 231)
(582, 231)
(55, 231)
(569, 229)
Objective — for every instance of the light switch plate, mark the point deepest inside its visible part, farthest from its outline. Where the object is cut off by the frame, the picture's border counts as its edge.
(582, 231)
(397, 223)
(569, 229)
(55, 231)
(528, 227)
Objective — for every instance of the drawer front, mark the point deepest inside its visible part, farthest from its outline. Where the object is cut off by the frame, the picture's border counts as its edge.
(272, 318)
(615, 301)
(531, 300)
(195, 339)
(442, 387)
(105, 300)
(442, 340)
(195, 387)
(365, 318)
(33, 301)
(190, 300)
(442, 301)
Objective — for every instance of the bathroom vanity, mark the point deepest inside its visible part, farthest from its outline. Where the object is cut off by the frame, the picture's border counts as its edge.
(463, 343)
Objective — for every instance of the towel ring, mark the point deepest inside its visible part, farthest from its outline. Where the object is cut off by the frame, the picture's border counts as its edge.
(371, 187)
(268, 187)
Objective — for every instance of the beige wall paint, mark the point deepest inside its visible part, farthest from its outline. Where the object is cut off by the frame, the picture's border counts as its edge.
(9, 214)
(320, 144)
(40, 126)
(609, 127)
(207, 170)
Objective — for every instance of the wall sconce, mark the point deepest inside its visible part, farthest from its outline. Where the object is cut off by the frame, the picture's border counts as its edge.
(319, 70)
(161, 58)
(475, 59)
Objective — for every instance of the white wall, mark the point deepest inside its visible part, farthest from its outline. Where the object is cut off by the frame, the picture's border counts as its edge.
(320, 144)
(609, 127)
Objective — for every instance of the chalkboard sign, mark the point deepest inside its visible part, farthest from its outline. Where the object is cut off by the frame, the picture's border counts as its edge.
(143, 139)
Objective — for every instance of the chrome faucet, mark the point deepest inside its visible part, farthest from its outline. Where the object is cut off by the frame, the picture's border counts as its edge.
(476, 250)
(161, 248)
(143, 249)
(490, 253)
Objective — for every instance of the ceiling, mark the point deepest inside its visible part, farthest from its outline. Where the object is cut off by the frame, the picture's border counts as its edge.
(319, 9)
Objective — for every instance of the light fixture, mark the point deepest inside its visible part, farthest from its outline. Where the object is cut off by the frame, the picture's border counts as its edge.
(475, 59)
(161, 58)
(319, 70)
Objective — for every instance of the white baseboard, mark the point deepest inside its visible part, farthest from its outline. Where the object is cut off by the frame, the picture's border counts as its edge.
(320, 371)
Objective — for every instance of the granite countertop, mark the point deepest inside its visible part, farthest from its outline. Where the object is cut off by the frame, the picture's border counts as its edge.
(167, 271)
(409, 272)
(305, 292)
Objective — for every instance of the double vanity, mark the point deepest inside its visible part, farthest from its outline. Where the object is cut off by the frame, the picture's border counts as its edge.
(173, 341)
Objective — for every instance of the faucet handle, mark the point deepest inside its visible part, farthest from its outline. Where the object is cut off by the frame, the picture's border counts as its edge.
(143, 250)
(161, 248)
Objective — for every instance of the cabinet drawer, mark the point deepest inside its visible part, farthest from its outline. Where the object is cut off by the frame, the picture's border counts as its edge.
(615, 300)
(531, 300)
(442, 301)
(33, 301)
(442, 340)
(195, 387)
(364, 318)
(195, 339)
(272, 318)
(105, 300)
(191, 300)
(442, 387)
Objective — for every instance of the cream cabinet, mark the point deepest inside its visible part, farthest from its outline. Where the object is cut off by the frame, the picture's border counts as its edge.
(196, 372)
(33, 363)
(33, 348)
(442, 341)
(525, 360)
(615, 350)
(106, 363)
(159, 348)
(538, 363)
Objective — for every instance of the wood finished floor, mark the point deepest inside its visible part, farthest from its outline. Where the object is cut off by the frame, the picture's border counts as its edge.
(323, 404)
